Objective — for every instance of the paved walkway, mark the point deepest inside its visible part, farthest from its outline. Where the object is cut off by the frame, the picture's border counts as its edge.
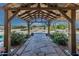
(39, 45)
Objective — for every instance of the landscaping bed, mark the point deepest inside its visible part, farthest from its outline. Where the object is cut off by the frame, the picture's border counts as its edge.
(17, 40)
(60, 39)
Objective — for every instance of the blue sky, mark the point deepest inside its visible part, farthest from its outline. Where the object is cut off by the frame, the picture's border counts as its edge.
(1, 17)
(15, 20)
(2, 4)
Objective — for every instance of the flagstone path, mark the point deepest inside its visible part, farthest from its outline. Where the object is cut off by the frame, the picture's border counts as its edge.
(39, 45)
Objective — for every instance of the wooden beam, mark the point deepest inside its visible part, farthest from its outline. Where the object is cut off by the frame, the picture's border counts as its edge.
(7, 30)
(28, 23)
(75, 5)
(24, 13)
(39, 9)
(51, 12)
(28, 18)
(14, 14)
(34, 14)
(47, 16)
(48, 27)
(65, 15)
(43, 8)
(73, 32)
(28, 14)
(6, 33)
(69, 36)
(31, 16)
(73, 29)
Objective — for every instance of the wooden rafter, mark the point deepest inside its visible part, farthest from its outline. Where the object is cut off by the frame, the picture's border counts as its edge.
(14, 15)
(51, 12)
(65, 15)
(24, 13)
(45, 16)
(27, 14)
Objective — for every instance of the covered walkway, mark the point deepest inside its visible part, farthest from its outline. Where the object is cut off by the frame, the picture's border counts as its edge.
(39, 45)
(48, 11)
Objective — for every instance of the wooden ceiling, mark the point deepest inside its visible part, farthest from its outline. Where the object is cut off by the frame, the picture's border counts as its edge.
(48, 11)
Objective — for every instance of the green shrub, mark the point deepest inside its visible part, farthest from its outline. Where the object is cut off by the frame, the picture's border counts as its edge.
(59, 38)
(61, 26)
(17, 38)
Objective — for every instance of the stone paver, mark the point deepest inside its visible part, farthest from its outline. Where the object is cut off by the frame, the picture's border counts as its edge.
(39, 45)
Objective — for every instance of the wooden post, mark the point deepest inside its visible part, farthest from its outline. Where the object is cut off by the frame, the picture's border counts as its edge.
(55, 26)
(28, 28)
(6, 33)
(73, 32)
(48, 27)
(69, 35)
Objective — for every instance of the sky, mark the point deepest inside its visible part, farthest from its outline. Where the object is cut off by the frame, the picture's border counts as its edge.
(17, 21)
(14, 21)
